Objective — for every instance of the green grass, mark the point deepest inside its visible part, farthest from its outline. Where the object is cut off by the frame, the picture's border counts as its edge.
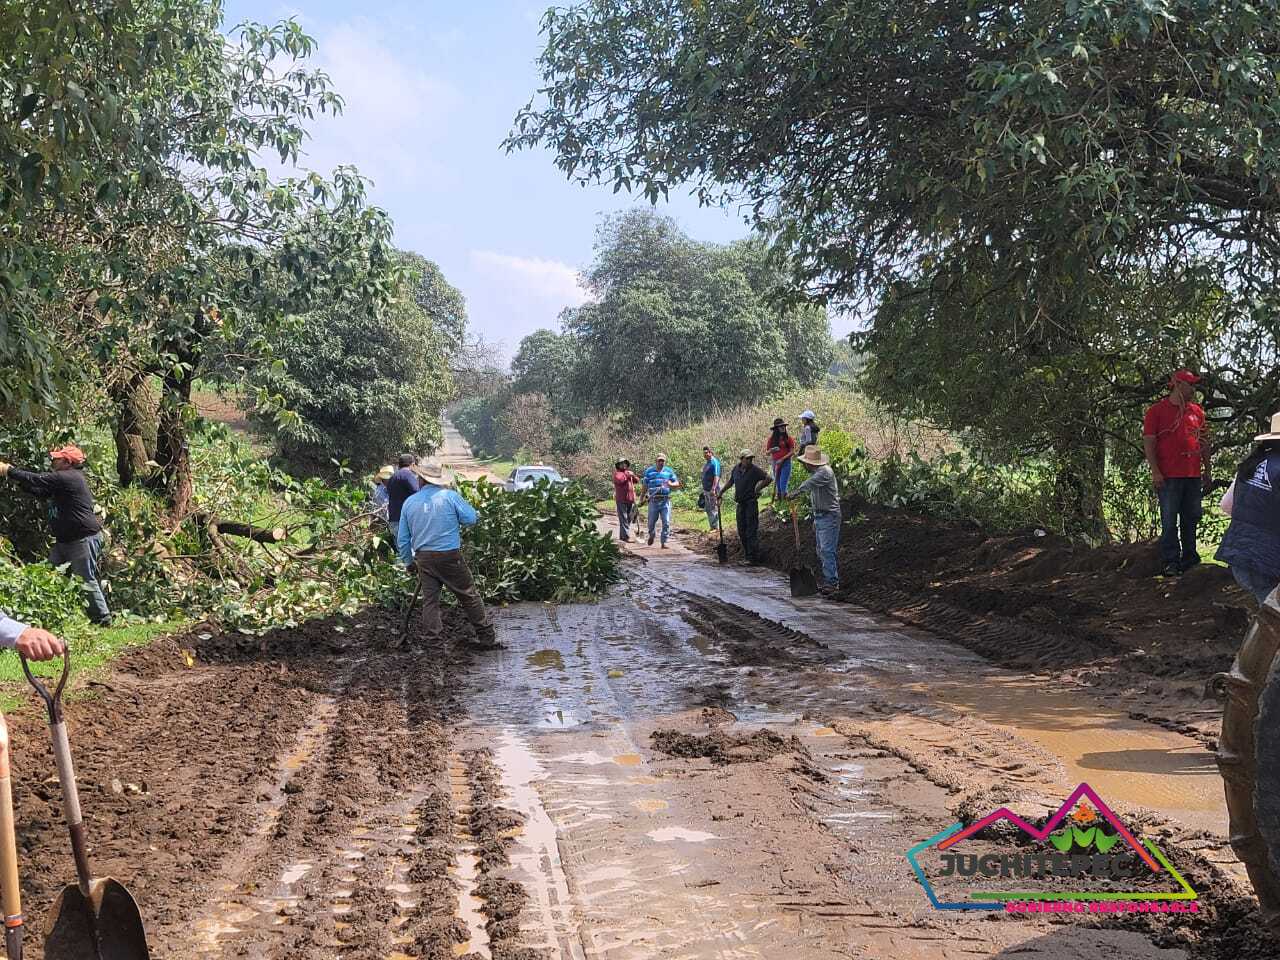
(497, 466)
(89, 654)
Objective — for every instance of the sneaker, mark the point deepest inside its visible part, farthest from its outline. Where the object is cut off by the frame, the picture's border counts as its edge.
(1170, 570)
(651, 539)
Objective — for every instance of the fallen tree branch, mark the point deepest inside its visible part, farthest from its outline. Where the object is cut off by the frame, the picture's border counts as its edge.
(233, 528)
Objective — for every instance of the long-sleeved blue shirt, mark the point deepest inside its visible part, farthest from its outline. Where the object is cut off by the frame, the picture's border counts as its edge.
(432, 519)
(10, 630)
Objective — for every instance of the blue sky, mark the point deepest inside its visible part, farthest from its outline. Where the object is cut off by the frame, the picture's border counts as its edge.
(431, 89)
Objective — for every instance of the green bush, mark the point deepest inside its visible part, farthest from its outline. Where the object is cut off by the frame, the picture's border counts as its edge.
(42, 596)
(537, 544)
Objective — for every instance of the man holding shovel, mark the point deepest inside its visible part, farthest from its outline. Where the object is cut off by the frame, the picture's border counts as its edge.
(747, 481)
(32, 642)
(431, 523)
(824, 498)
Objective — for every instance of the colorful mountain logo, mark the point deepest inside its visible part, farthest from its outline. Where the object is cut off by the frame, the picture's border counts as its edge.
(1083, 836)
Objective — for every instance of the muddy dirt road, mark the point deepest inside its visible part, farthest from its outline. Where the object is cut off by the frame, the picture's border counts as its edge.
(697, 766)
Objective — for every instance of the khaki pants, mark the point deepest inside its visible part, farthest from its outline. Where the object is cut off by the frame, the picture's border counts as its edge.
(448, 569)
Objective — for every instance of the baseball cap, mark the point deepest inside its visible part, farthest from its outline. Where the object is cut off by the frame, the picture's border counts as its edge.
(70, 453)
(1186, 376)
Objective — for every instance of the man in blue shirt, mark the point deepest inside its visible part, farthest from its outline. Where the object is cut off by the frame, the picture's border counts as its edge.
(659, 481)
(430, 542)
(710, 484)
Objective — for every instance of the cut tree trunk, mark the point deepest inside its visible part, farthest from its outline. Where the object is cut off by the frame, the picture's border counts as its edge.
(172, 452)
(134, 414)
(234, 528)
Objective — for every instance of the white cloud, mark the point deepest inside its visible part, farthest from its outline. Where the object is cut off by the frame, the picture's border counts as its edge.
(556, 284)
(395, 116)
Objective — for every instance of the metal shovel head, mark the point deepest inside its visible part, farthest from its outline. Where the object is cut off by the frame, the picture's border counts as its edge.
(722, 553)
(106, 925)
(803, 582)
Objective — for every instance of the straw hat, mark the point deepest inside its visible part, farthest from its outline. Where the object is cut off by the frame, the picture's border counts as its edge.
(1275, 429)
(746, 454)
(433, 472)
(386, 473)
(813, 457)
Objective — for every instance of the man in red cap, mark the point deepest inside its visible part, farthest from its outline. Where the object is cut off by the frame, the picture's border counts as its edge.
(77, 533)
(1172, 435)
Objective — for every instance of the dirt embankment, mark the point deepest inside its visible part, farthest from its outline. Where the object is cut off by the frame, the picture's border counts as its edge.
(1100, 617)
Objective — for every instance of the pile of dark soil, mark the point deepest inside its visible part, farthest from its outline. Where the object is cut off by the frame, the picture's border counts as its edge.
(1102, 617)
(720, 747)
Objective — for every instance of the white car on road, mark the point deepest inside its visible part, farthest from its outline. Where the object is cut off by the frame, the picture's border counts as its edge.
(524, 478)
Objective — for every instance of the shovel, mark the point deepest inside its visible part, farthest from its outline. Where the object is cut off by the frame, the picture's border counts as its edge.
(9, 892)
(413, 602)
(722, 552)
(91, 919)
(803, 582)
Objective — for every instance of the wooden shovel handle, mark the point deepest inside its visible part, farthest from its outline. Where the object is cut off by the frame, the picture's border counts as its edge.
(10, 893)
(71, 804)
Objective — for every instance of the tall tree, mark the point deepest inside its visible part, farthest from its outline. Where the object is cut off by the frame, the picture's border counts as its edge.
(138, 223)
(544, 363)
(675, 327)
(1043, 158)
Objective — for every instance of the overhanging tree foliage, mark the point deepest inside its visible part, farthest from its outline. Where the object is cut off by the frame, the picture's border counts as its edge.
(138, 224)
(1015, 170)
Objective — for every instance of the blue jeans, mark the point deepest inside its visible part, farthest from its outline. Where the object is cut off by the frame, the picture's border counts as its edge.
(1255, 581)
(81, 557)
(624, 520)
(826, 528)
(782, 476)
(660, 507)
(1180, 511)
(712, 508)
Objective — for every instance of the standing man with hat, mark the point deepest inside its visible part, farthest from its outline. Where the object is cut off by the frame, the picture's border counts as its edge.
(77, 533)
(780, 446)
(747, 481)
(431, 523)
(1172, 438)
(659, 481)
(824, 498)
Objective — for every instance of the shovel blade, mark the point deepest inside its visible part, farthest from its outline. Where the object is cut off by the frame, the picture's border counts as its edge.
(803, 582)
(722, 553)
(106, 925)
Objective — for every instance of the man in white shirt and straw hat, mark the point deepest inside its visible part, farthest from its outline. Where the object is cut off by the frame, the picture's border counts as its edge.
(430, 541)
(824, 497)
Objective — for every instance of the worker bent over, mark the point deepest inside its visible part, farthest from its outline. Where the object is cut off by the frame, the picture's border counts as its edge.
(430, 541)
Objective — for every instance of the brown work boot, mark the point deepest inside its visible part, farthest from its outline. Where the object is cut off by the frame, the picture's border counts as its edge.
(486, 639)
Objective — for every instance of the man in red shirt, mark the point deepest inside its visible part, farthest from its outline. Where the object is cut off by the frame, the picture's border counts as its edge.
(624, 496)
(1172, 436)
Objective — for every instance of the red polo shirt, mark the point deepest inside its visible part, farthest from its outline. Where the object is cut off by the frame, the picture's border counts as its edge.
(1178, 431)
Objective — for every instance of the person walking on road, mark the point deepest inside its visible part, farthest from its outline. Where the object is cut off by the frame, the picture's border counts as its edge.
(808, 430)
(748, 482)
(824, 498)
(1173, 431)
(32, 642)
(401, 485)
(710, 482)
(1251, 545)
(624, 496)
(781, 446)
(659, 481)
(430, 541)
(77, 533)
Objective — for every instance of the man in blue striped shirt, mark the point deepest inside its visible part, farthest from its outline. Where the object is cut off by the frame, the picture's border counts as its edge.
(430, 542)
(659, 481)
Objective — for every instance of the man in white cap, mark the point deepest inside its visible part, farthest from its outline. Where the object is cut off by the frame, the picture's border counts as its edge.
(824, 498)
(747, 481)
(808, 430)
(430, 541)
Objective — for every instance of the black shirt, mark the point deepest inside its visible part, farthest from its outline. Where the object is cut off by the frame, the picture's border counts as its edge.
(746, 481)
(404, 483)
(71, 503)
